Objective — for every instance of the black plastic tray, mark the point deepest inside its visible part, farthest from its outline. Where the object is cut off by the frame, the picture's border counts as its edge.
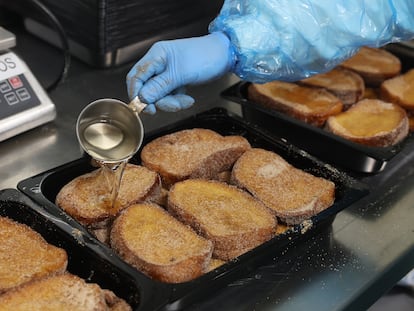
(84, 258)
(324, 145)
(155, 295)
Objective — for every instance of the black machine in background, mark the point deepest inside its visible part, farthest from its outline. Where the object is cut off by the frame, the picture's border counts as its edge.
(106, 33)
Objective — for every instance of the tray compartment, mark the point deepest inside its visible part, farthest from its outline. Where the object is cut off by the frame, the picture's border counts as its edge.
(44, 187)
(324, 145)
(84, 259)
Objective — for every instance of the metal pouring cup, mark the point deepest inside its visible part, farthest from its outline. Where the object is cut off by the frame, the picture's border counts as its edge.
(110, 130)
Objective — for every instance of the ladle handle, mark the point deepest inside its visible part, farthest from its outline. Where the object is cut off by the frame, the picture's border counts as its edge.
(136, 105)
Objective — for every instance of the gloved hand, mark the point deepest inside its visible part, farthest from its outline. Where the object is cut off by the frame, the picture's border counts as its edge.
(159, 77)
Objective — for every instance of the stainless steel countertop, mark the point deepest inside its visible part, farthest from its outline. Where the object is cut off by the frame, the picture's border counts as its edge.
(366, 250)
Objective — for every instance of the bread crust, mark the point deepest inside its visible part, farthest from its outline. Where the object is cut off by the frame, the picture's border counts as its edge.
(345, 84)
(410, 116)
(62, 292)
(214, 264)
(86, 198)
(292, 194)
(224, 214)
(26, 256)
(374, 65)
(192, 153)
(364, 123)
(157, 244)
(399, 90)
(309, 104)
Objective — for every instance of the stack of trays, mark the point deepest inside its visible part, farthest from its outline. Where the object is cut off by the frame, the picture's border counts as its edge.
(317, 141)
(108, 33)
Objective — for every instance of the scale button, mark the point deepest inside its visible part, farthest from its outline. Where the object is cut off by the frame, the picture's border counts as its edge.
(23, 94)
(11, 98)
(4, 86)
(15, 82)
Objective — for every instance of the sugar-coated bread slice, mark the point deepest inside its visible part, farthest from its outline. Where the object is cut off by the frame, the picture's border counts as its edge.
(192, 153)
(64, 292)
(157, 244)
(374, 65)
(26, 256)
(309, 104)
(292, 194)
(231, 218)
(371, 122)
(399, 90)
(347, 85)
(87, 198)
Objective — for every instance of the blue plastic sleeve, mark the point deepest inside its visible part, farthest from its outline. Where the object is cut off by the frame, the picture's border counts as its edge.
(293, 39)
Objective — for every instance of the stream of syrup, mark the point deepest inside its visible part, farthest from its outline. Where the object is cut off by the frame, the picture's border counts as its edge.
(113, 173)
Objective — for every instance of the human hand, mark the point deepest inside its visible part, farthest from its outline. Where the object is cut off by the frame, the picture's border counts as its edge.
(160, 76)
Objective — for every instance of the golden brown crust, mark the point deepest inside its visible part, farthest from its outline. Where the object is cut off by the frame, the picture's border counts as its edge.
(371, 93)
(192, 153)
(214, 264)
(292, 194)
(114, 303)
(371, 122)
(374, 65)
(400, 90)
(102, 234)
(345, 84)
(162, 198)
(224, 176)
(157, 244)
(87, 197)
(25, 255)
(309, 104)
(410, 120)
(63, 292)
(282, 228)
(224, 214)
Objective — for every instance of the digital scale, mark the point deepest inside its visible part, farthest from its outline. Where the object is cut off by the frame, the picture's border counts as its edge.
(23, 102)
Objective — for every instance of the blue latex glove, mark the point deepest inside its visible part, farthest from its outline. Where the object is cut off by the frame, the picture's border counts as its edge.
(159, 77)
(269, 40)
(293, 39)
